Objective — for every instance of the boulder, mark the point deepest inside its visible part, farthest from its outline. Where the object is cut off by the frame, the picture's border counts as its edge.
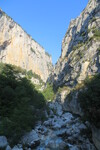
(17, 148)
(56, 144)
(3, 142)
(31, 139)
(8, 148)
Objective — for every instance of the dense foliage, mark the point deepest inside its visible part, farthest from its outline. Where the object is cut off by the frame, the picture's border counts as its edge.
(21, 106)
(30, 74)
(48, 92)
(89, 98)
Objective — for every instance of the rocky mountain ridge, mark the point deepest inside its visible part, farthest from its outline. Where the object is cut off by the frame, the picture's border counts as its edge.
(18, 48)
(80, 48)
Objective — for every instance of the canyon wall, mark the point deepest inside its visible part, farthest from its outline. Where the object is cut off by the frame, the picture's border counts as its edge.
(80, 55)
(18, 48)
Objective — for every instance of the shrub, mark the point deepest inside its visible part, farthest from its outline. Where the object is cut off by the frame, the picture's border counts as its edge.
(83, 34)
(20, 104)
(48, 92)
(47, 54)
(98, 50)
(81, 54)
(30, 74)
(78, 46)
(32, 50)
(97, 32)
(63, 88)
(92, 20)
(89, 99)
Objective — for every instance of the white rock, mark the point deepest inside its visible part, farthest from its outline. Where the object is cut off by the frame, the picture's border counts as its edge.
(56, 144)
(3, 142)
(68, 116)
(17, 148)
(82, 126)
(8, 148)
(30, 138)
(74, 148)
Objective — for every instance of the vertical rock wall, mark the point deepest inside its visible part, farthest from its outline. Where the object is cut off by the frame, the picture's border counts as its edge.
(18, 48)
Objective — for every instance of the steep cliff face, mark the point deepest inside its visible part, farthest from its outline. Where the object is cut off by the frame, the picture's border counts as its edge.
(18, 48)
(80, 57)
(80, 54)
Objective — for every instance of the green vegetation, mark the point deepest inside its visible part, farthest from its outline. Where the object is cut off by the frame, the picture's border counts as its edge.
(47, 54)
(48, 92)
(30, 74)
(89, 98)
(74, 90)
(98, 50)
(81, 54)
(83, 33)
(78, 46)
(32, 50)
(91, 29)
(92, 20)
(21, 106)
(97, 34)
(61, 89)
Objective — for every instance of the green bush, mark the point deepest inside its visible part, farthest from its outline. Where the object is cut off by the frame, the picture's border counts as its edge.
(79, 45)
(92, 20)
(47, 54)
(98, 49)
(32, 50)
(89, 98)
(21, 106)
(96, 32)
(48, 92)
(81, 54)
(30, 74)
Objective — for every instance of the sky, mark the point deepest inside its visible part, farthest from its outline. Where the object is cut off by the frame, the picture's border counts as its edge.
(45, 20)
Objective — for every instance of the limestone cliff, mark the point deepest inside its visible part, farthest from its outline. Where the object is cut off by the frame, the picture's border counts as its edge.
(80, 57)
(80, 54)
(18, 48)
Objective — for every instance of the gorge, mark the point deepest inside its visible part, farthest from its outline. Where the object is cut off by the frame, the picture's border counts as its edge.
(72, 115)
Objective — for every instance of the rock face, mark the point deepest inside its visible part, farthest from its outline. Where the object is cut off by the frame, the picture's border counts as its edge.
(80, 54)
(80, 57)
(18, 48)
